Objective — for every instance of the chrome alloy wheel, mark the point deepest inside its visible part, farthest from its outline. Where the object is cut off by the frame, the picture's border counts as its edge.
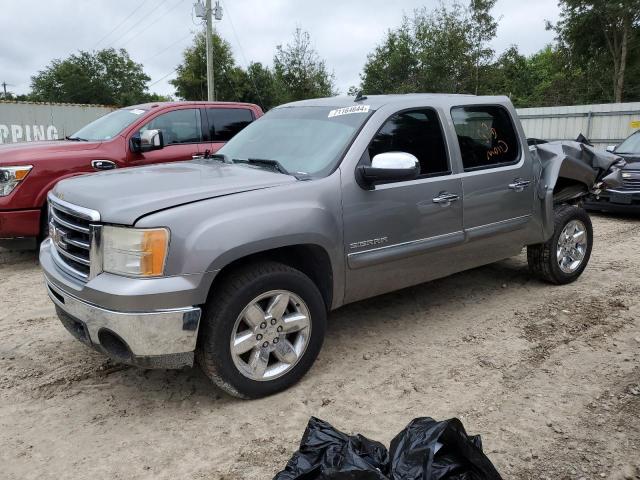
(572, 246)
(270, 335)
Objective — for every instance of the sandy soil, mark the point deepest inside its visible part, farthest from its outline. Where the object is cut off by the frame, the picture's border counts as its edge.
(549, 376)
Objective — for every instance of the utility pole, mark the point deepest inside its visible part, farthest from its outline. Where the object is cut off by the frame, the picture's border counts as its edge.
(205, 11)
(4, 87)
(211, 93)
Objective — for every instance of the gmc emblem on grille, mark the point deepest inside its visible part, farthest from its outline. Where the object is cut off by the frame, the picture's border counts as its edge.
(58, 236)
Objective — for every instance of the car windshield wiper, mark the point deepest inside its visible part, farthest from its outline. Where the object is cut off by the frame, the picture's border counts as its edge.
(76, 139)
(274, 164)
(219, 156)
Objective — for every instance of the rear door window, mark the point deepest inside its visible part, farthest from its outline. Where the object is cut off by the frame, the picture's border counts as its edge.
(224, 123)
(486, 136)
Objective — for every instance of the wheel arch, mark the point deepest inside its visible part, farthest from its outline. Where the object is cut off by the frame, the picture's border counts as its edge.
(563, 181)
(311, 259)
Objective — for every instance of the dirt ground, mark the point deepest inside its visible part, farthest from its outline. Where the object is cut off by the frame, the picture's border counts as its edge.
(549, 376)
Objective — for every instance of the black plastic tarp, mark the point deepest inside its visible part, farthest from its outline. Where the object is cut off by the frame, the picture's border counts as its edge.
(425, 450)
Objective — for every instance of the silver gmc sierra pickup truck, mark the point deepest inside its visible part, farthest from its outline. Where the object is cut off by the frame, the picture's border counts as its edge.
(233, 261)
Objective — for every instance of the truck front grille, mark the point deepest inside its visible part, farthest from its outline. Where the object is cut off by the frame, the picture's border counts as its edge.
(632, 182)
(73, 233)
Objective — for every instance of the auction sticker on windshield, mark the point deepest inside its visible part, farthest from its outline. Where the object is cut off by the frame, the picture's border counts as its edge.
(349, 110)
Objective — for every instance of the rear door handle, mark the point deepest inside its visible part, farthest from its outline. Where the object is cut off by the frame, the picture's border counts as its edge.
(519, 185)
(445, 198)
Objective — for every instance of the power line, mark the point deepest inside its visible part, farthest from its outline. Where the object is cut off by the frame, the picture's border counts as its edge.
(173, 6)
(162, 2)
(120, 24)
(167, 48)
(235, 34)
(163, 77)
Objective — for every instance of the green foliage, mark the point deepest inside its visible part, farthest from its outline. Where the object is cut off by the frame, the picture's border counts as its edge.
(191, 79)
(259, 86)
(107, 77)
(602, 36)
(538, 80)
(392, 67)
(595, 59)
(299, 71)
(440, 50)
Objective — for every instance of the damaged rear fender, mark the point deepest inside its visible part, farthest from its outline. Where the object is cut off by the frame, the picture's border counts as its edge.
(567, 172)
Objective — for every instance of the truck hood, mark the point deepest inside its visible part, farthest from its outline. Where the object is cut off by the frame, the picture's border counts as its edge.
(123, 196)
(28, 152)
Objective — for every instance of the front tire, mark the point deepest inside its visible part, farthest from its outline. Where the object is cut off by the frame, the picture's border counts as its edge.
(262, 329)
(563, 258)
(43, 227)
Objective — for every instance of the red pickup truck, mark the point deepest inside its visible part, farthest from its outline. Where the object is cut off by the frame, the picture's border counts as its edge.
(129, 137)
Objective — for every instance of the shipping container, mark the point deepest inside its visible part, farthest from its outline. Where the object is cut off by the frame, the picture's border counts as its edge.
(30, 122)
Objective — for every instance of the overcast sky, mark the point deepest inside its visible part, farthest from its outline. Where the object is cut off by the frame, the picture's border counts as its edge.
(156, 31)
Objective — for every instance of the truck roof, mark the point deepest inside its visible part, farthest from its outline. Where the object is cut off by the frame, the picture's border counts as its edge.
(377, 101)
(147, 106)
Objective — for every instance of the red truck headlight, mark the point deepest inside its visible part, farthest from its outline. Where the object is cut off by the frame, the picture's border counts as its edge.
(10, 177)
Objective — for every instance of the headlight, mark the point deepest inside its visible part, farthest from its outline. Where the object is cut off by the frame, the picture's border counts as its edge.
(134, 252)
(10, 177)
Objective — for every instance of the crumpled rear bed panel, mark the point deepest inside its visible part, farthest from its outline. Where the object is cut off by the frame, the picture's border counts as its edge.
(577, 161)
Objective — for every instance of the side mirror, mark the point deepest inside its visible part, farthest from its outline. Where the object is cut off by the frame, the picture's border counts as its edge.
(147, 141)
(611, 148)
(388, 167)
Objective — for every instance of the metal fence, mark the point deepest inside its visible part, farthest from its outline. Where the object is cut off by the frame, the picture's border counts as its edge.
(30, 122)
(604, 124)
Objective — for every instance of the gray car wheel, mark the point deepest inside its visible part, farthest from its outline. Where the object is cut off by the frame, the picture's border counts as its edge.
(262, 329)
(270, 335)
(563, 257)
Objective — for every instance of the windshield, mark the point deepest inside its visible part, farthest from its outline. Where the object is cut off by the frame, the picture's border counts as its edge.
(630, 145)
(107, 127)
(303, 140)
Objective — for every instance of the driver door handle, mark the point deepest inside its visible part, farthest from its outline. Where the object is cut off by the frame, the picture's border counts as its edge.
(103, 164)
(519, 185)
(445, 198)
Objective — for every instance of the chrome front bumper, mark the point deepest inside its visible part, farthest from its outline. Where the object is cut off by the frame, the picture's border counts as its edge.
(161, 338)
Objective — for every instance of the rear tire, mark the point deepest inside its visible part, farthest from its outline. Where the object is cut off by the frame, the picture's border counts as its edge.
(254, 340)
(563, 258)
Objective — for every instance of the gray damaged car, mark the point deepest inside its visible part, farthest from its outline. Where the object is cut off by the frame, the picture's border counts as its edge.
(234, 261)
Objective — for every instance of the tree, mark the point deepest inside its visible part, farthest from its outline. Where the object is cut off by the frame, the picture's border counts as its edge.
(603, 35)
(300, 73)
(441, 50)
(258, 85)
(353, 90)
(191, 79)
(539, 80)
(107, 77)
(392, 67)
(483, 30)
(445, 49)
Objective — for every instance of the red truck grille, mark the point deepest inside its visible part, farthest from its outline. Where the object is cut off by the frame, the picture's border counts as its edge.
(73, 233)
